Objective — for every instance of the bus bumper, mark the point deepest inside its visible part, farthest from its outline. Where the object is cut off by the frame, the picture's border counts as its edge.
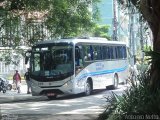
(66, 88)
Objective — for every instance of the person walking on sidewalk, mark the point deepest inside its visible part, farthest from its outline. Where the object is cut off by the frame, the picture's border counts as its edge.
(27, 78)
(17, 80)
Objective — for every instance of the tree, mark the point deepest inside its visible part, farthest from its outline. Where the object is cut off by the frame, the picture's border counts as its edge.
(33, 20)
(101, 31)
(24, 22)
(150, 10)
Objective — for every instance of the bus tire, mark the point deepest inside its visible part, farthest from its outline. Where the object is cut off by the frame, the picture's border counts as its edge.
(116, 81)
(52, 97)
(88, 88)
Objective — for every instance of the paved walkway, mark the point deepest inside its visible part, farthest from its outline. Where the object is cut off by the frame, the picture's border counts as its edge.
(13, 96)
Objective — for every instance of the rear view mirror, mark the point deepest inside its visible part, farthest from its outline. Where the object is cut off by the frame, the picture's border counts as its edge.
(27, 56)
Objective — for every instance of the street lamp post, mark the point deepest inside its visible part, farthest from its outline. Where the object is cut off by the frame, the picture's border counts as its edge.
(114, 21)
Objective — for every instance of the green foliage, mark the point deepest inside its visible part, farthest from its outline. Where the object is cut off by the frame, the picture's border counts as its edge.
(31, 20)
(6, 57)
(101, 31)
(24, 22)
(73, 20)
(147, 48)
(137, 100)
(12, 56)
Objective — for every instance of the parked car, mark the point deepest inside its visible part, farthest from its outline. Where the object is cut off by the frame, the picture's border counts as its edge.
(4, 82)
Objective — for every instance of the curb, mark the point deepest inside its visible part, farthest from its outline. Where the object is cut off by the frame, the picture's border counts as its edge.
(13, 96)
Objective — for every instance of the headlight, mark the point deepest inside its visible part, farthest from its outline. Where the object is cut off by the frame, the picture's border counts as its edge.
(68, 83)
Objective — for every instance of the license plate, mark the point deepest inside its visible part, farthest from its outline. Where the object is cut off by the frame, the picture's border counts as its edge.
(50, 94)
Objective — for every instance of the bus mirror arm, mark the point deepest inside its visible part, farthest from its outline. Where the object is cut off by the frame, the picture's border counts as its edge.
(27, 55)
(26, 60)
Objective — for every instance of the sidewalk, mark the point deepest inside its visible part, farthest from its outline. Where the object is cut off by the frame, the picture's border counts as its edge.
(13, 96)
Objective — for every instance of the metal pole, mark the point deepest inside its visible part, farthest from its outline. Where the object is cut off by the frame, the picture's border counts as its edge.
(114, 21)
(141, 41)
(132, 35)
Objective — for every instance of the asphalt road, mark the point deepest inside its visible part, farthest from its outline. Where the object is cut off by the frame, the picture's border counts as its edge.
(74, 107)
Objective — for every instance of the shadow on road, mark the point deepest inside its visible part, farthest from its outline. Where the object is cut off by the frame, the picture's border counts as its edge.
(49, 117)
(95, 92)
(66, 97)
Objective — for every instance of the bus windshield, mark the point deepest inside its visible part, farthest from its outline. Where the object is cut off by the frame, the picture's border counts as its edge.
(52, 61)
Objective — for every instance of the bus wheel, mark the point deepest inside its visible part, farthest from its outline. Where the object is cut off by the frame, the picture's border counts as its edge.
(52, 97)
(116, 81)
(88, 88)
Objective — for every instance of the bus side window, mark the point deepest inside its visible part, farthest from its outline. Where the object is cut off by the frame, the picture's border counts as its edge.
(88, 52)
(91, 52)
(120, 52)
(78, 56)
(104, 53)
(124, 52)
(94, 52)
(97, 53)
(116, 56)
(108, 56)
(85, 52)
(110, 52)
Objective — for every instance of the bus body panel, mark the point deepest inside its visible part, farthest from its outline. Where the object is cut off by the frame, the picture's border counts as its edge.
(42, 88)
(101, 72)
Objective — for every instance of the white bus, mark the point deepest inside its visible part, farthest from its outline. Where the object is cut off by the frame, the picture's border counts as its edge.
(72, 66)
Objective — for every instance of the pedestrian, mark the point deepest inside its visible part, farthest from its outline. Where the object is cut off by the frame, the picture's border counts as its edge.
(17, 80)
(27, 78)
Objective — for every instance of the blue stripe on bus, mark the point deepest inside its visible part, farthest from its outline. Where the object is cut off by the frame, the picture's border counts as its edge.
(102, 72)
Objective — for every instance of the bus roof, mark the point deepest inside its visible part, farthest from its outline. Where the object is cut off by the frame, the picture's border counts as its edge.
(92, 40)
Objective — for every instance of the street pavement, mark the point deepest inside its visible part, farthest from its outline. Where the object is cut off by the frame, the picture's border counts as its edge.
(61, 109)
(13, 96)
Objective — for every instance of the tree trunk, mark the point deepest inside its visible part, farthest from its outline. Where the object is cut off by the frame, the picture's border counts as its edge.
(155, 70)
(150, 11)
